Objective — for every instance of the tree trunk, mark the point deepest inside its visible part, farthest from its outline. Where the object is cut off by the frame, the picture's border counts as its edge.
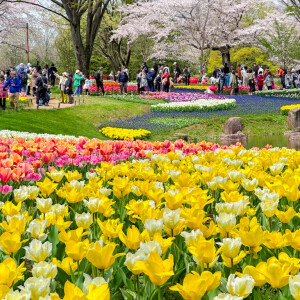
(225, 56)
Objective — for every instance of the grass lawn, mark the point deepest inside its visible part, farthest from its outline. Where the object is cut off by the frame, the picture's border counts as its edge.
(84, 121)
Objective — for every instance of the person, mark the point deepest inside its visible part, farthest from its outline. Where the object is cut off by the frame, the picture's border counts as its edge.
(34, 76)
(3, 93)
(266, 72)
(62, 86)
(227, 74)
(260, 69)
(187, 75)
(38, 66)
(86, 85)
(269, 81)
(141, 81)
(77, 83)
(233, 83)
(14, 85)
(123, 80)
(282, 77)
(216, 72)
(46, 71)
(52, 77)
(177, 72)
(255, 69)
(244, 74)
(157, 81)
(150, 80)
(298, 80)
(41, 89)
(99, 81)
(221, 81)
(69, 88)
(260, 80)
(239, 72)
(295, 77)
(166, 80)
(29, 67)
(155, 66)
(28, 82)
(145, 67)
(288, 80)
(251, 81)
(23, 77)
(112, 76)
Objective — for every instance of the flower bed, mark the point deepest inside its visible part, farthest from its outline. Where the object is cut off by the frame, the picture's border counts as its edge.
(286, 108)
(112, 89)
(219, 225)
(124, 134)
(196, 105)
(292, 93)
(183, 97)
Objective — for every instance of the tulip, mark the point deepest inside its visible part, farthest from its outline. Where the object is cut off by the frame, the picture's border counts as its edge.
(44, 204)
(110, 228)
(154, 226)
(18, 295)
(240, 286)
(56, 175)
(9, 209)
(286, 216)
(133, 238)
(67, 264)
(102, 256)
(195, 286)
(74, 235)
(158, 270)
(36, 229)
(294, 284)
(15, 224)
(131, 259)
(37, 251)
(44, 269)
(230, 250)
(77, 250)
(275, 240)
(88, 280)
(173, 224)
(164, 243)
(250, 185)
(93, 204)
(226, 222)
(190, 236)
(47, 187)
(21, 194)
(10, 242)
(224, 296)
(83, 220)
(39, 287)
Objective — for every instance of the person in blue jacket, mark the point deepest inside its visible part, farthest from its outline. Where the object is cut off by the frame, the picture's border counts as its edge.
(14, 85)
(23, 77)
(123, 80)
(150, 79)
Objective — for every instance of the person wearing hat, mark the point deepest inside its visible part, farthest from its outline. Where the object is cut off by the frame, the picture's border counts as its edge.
(77, 83)
(62, 86)
(99, 81)
(14, 85)
(3, 93)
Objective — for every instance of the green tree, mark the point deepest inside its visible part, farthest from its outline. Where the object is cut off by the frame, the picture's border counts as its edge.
(283, 44)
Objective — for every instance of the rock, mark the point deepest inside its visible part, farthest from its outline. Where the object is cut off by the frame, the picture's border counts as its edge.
(293, 120)
(233, 125)
(229, 139)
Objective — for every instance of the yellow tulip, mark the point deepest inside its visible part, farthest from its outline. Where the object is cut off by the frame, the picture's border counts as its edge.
(286, 216)
(10, 242)
(56, 175)
(47, 186)
(102, 256)
(67, 264)
(110, 228)
(15, 224)
(173, 200)
(293, 238)
(164, 243)
(77, 250)
(9, 209)
(133, 238)
(233, 196)
(195, 286)
(158, 270)
(240, 286)
(73, 175)
(37, 251)
(173, 224)
(275, 240)
(74, 235)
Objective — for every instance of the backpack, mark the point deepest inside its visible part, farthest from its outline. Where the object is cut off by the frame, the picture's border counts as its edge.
(82, 82)
(97, 76)
(149, 76)
(42, 84)
(24, 78)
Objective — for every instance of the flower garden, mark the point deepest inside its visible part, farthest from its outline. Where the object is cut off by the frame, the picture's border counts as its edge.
(92, 219)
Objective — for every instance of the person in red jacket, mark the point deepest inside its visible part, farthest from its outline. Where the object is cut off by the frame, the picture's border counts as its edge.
(166, 80)
(260, 81)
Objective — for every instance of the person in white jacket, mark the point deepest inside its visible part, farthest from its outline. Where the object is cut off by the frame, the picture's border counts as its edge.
(62, 86)
(245, 76)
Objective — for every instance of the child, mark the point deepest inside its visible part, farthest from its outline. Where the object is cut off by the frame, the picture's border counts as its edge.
(260, 80)
(86, 85)
(269, 81)
(172, 86)
(3, 93)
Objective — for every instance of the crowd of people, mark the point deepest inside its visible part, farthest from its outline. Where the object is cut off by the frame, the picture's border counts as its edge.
(252, 77)
(37, 81)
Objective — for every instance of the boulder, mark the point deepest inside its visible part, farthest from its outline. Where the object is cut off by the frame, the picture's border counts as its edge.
(233, 125)
(293, 120)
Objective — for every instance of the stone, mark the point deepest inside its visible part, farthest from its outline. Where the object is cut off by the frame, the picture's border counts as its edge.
(230, 139)
(293, 120)
(233, 125)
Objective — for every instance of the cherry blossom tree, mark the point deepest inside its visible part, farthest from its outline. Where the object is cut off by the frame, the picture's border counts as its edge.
(189, 25)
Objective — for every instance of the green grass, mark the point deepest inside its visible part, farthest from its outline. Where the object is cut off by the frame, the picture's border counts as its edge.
(84, 121)
(79, 121)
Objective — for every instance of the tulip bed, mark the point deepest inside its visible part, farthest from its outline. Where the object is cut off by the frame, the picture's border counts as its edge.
(170, 221)
(195, 105)
(286, 108)
(124, 134)
(292, 93)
